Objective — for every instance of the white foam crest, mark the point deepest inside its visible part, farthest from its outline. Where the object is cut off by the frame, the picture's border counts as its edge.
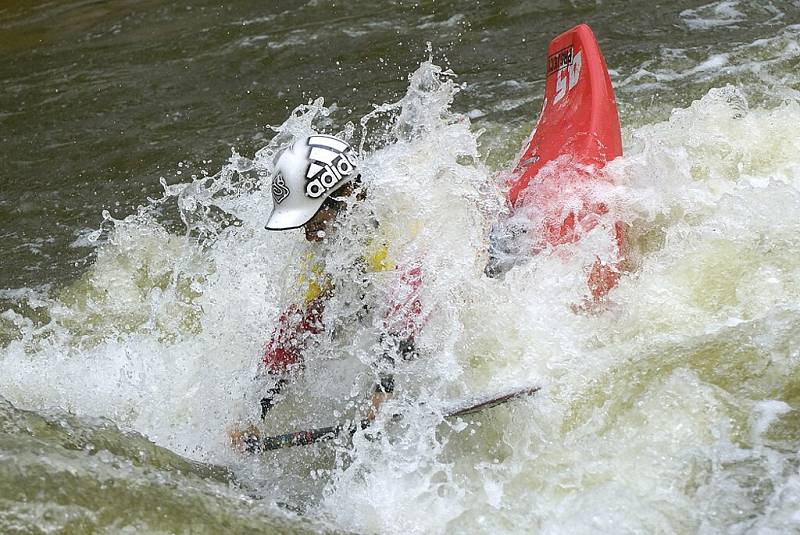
(635, 427)
(723, 13)
(765, 66)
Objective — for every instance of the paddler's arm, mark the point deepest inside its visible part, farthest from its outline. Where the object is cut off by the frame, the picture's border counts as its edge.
(284, 351)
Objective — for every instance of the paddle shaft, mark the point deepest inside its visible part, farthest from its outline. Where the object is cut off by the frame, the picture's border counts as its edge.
(322, 434)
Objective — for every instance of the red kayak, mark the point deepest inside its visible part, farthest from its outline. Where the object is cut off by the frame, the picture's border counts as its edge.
(554, 180)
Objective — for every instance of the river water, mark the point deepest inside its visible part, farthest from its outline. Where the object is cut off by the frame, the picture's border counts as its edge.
(138, 286)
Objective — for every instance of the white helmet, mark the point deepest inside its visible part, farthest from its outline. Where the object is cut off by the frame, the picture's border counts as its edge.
(306, 174)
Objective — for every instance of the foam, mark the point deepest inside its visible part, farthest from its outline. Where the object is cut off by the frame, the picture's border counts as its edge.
(656, 409)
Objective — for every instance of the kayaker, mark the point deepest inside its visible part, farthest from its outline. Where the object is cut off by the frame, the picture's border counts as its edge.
(316, 186)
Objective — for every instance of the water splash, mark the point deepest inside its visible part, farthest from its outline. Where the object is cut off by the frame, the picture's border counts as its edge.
(670, 407)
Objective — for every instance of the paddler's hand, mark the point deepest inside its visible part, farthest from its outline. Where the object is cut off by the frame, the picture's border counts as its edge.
(383, 390)
(377, 400)
(245, 440)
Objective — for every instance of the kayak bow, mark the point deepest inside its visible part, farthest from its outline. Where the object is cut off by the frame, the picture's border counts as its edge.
(578, 132)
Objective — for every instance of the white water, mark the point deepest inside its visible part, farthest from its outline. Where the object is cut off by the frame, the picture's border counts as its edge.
(670, 409)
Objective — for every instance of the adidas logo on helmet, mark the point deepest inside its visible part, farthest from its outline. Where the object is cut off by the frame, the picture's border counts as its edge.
(305, 175)
(331, 160)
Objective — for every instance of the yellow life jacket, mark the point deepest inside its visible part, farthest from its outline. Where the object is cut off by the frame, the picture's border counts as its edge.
(314, 280)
